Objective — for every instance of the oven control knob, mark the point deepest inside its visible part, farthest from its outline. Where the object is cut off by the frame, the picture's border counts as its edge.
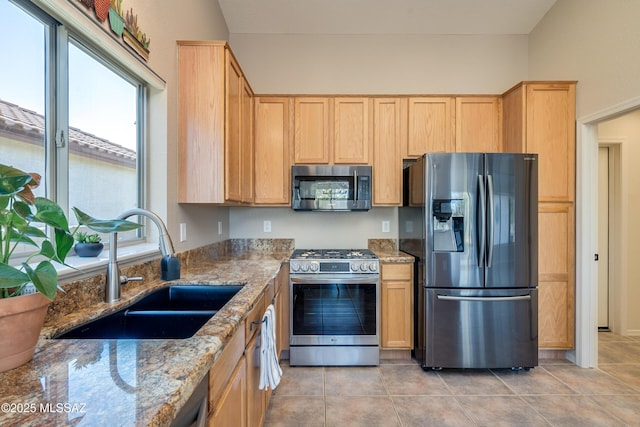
(295, 267)
(373, 267)
(305, 267)
(354, 267)
(363, 266)
(313, 267)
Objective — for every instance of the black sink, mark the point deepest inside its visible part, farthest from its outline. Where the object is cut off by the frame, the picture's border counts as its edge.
(174, 312)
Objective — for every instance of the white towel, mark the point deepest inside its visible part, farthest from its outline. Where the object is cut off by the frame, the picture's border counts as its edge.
(270, 372)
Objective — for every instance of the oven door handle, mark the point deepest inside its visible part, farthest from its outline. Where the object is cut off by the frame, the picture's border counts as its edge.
(314, 280)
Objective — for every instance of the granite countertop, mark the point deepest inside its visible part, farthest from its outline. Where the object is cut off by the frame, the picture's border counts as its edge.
(130, 382)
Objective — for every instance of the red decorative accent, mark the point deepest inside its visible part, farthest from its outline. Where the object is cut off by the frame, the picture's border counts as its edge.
(101, 8)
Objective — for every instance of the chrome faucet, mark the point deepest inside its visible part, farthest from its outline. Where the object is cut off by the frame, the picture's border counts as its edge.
(170, 265)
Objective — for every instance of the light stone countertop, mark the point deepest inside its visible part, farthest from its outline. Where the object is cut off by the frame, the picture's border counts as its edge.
(130, 382)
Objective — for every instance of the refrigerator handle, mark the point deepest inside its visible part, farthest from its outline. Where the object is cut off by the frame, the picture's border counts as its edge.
(490, 220)
(481, 220)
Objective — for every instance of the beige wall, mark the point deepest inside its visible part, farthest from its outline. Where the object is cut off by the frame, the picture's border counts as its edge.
(166, 23)
(626, 131)
(311, 230)
(595, 42)
(381, 64)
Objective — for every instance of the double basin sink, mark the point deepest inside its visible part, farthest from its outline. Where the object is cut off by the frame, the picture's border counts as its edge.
(173, 312)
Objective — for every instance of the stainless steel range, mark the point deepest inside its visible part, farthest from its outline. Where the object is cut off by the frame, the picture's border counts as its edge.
(335, 314)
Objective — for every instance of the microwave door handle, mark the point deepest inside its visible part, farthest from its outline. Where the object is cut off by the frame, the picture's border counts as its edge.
(355, 185)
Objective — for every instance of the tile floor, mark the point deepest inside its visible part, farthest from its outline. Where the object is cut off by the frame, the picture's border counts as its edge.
(400, 393)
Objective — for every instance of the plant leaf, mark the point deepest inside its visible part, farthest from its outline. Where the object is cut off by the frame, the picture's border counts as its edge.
(44, 277)
(12, 180)
(10, 277)
(104, 225)
(22, 209)
(50, 213)
(64, 243)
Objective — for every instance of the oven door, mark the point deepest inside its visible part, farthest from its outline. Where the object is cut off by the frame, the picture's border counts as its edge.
(335, 309)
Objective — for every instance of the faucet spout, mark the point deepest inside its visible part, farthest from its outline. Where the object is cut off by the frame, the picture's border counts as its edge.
(170, 265)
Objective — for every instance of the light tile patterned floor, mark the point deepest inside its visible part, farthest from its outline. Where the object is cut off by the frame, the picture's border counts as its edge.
(400, 393)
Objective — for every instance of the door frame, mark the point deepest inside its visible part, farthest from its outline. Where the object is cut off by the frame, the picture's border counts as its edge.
(585, 353)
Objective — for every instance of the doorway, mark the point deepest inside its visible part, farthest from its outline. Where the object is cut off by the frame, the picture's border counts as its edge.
(586, 345)
(609, 241)
(604, 202)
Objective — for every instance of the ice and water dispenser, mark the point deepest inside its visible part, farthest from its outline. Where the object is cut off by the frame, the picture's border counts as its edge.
(448, 225)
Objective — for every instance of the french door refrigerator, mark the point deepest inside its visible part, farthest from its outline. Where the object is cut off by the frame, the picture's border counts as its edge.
(471, 221)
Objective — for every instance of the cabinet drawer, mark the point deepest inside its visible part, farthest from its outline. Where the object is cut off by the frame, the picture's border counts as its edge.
(255, 315)
(223, 367)
(396, 271)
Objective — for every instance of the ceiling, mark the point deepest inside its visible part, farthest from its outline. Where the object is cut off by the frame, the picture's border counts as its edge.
(383, 16)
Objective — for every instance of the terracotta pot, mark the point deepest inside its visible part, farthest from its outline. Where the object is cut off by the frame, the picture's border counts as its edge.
(21, 319)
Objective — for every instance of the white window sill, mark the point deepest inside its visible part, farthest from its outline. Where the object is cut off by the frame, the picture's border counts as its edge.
(84, 267)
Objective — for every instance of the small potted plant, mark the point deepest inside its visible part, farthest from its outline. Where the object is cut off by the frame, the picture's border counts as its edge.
(88, 245)
(28, 285)
(116, 21)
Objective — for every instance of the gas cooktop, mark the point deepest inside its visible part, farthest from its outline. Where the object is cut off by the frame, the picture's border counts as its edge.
(340, 261)
(331, 254)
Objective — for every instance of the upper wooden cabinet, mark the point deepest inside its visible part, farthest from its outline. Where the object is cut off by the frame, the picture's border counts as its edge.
(539, 117)
(313, 130)
(431, 125)
(214, 125)
(478, 124)
(389, 115)
(272, 150)
(351, 144)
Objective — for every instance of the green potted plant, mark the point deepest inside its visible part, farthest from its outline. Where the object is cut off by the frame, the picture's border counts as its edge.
(88, 245)
(116, 21)
(22, 220)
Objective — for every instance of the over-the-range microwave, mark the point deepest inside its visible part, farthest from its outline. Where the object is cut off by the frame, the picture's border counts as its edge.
(331, 188)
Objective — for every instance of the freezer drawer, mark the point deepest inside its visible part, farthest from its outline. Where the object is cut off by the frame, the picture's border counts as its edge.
(467, 328)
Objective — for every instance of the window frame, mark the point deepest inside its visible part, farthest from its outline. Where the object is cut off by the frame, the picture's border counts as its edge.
(56, 38)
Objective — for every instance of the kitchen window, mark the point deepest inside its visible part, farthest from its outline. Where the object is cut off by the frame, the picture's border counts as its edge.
(69, 114)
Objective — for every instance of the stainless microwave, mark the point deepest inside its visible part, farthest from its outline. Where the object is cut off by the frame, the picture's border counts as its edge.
(331, 188)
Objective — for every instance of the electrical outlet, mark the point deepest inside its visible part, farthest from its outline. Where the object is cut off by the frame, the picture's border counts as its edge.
(219, 227)
(267, 226)
(386, 226)
(183, 231)
(408, 226)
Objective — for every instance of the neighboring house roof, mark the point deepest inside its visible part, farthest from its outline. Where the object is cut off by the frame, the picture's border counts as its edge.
(28, 126)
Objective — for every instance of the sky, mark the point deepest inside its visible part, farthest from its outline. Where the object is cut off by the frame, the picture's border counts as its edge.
(100, 101)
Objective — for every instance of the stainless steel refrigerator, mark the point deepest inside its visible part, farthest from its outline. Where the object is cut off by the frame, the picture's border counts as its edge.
(471, 221)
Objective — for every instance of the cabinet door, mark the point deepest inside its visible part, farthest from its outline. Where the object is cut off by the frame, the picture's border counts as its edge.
(201, 116)
(478, 124)
(272, 179)
(397, 306)
(312, 130)
(246, 152)
(556, 260)
(233, 131)
(387, 156)
(351, 144)
(232, 408)
(430, 125)
(255, 397)
(551, 134)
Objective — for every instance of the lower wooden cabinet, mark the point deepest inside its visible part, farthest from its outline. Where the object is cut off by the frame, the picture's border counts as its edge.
(396, 308)
(232, 406)
(556, 281)
(256, 398)
(234, 395)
